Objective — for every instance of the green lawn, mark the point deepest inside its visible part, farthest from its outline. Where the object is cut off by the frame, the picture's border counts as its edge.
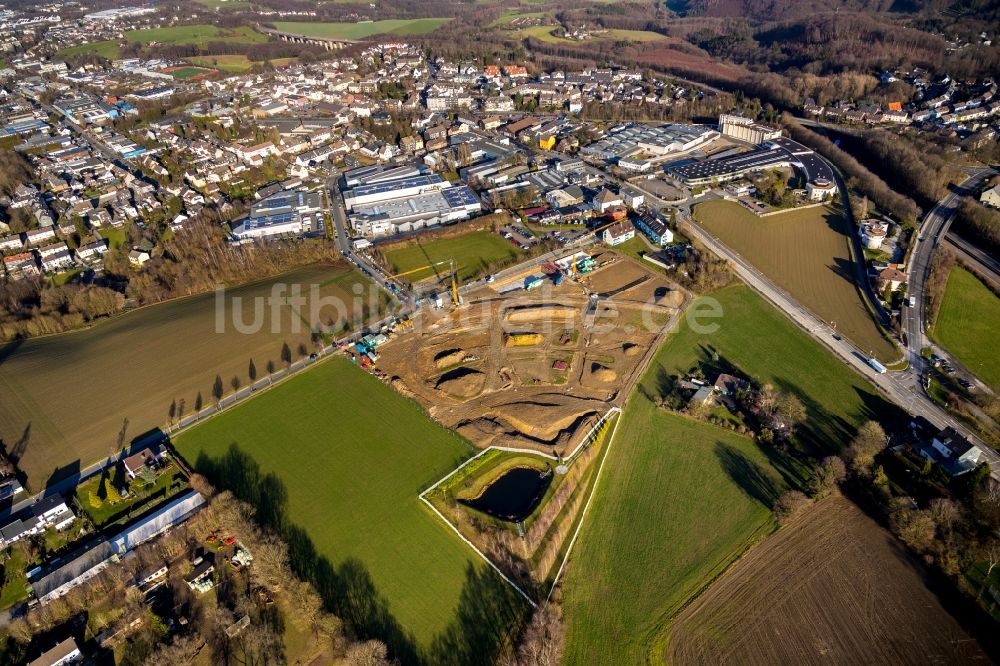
(15, 580)
(680, 499)
(361, 30)
(197, 34)
(189, 72)
(106, 49)
(138, 364)
(349, 457)
(475, 254)
(234, 63)
(114, 235)
(112, 508)
(967, 322)
(806, 252)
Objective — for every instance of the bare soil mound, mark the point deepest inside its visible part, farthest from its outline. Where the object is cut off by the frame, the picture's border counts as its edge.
(672, 299)
(603, 374)
(523, 339)
(534, 313)
(448, 357)
(538, 420)
(462, 383)
(631, 349)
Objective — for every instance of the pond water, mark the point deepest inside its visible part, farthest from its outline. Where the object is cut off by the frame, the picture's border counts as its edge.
(513, 495)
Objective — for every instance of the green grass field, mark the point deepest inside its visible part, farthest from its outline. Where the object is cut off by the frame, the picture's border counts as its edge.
(473, 252)
(681, 499)
(966, 325)
(350, 456)
(64, 398)
(198, 34)
(235, 63)
(361, 30)
(189, 72)
(106, 49)
(806, 253)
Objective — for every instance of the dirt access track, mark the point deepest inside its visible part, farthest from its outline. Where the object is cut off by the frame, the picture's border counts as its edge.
(534, 369)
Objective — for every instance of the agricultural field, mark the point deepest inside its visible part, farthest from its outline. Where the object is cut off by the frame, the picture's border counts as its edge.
(347, 457)
(857, 598)
(678, 502)
(806, 252)
(350, 31)
(65, 399)
(544, 33)
(473, 252)
(966, 325)
(106, 49)
(198, 35)
(681, 499)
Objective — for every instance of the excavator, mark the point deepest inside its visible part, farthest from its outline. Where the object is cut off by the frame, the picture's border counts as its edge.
(454, 276)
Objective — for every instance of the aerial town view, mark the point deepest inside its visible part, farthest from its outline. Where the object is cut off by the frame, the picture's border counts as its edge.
(513, 332)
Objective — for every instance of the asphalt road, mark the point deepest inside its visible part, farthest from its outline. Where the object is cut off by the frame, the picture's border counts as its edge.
(931, 233)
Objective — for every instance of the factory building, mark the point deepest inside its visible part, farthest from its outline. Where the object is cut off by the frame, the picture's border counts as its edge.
(745, 129)
(287, 213)
(626, 141)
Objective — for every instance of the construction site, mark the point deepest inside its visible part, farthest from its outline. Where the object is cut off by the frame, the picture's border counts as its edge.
(533, 358)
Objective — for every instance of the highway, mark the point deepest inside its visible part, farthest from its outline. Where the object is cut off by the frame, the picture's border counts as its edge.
(931, 233)
(985, 263)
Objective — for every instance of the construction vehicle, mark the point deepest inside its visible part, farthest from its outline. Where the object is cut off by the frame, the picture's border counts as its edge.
(454, 276)
(586, 265)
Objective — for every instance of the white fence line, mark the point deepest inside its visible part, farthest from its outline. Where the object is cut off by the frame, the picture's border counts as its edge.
(589, 438)
(586, 507)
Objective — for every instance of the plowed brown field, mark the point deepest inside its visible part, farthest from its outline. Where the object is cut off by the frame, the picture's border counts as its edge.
(833, 587)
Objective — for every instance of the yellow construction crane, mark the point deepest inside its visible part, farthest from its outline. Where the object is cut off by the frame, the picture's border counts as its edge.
(454, 276)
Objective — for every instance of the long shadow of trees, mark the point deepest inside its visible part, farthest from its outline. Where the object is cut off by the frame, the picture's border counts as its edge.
(488, 618)
(752, 479)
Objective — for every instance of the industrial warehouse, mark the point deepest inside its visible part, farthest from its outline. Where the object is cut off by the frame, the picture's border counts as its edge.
(382, 201)
(774, 154)
(287, 213)
(658, 141)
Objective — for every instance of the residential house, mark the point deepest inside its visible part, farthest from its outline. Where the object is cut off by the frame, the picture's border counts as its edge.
(138, 257)
(605, 199)
(13, 242)
(891, 278)
(654, 228)
(38, 236)
(953, 452)
(618, 233)
(63, 653)
(991, 197)
(136, 462)
(200, 578)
